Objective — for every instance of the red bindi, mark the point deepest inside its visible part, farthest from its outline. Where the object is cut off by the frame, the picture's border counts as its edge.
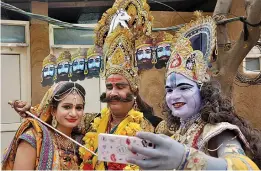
(113, 79)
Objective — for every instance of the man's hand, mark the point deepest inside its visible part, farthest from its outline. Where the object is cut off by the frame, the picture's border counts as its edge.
(20, 107)
(167, 154)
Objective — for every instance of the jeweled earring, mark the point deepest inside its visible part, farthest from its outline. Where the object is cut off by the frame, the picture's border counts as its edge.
(54, 122)
(135, 105)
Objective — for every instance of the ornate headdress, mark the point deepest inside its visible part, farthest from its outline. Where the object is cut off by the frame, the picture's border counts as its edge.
(49, 60)
(94, 51)
(64, 57)
(163, 37)
(139, 21)
(143, 41)
(193, 50)
(119, 56)
(80, 54)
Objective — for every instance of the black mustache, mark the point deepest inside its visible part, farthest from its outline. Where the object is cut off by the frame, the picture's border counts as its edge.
(104, 99)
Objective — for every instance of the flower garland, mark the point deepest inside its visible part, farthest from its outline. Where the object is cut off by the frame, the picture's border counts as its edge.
(129, 127)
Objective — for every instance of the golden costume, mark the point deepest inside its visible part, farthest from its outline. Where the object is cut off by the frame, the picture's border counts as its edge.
(192, 59)
(53, 152)
(118, 58)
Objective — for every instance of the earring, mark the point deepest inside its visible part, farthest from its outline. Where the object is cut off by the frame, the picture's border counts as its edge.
(135, 105)
(54, 122)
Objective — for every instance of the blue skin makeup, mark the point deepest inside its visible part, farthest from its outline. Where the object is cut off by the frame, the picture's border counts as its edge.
(182, 96)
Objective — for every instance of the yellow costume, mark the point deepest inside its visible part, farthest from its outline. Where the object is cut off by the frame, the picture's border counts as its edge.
(118, 58)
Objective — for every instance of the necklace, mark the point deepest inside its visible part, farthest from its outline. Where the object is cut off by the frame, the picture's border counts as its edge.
(66, 150)
(189, 134)
(188, 122)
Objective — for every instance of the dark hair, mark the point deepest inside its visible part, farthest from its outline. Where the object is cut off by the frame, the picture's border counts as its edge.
(143, 106)
(65, 88)
(216, 108)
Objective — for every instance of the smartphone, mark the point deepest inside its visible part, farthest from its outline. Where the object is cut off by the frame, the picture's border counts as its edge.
(114, 148)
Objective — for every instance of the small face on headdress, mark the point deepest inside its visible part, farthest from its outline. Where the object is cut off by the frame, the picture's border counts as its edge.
(144, 52)
(48, 71)
(189, 62)
(64, 66)
(163, 46)
(94, 61)
(78, 65)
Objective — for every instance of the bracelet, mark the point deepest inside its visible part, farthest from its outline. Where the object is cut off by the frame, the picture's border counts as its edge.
(184, 158)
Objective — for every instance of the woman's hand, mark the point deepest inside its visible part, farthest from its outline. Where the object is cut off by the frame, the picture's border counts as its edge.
(20, 107)
(167, 154)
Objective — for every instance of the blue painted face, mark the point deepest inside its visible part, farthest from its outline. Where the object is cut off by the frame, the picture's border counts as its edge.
(78, 65)
(63, 68)
(48, 71)
(94, 62)
(182, 96)
(163, 51)
(144, 57)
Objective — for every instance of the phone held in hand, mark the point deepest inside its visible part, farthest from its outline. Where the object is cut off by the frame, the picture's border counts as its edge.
(114, 148)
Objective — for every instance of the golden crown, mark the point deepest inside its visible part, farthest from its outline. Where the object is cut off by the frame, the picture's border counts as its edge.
(49, 60)
(143, 41)
(139, 24)
(80, 54)
(94, 51)
(65, 56)
(119, 56)
(193, 50)
(163, 37)
(188, 62)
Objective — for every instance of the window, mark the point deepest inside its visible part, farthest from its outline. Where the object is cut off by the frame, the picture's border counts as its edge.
(14, 33)
(252, 62)
(71, 38)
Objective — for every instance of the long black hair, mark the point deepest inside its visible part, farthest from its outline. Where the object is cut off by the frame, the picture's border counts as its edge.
(217, 108)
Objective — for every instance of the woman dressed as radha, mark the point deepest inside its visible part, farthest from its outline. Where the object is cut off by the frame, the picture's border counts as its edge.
(35, 146)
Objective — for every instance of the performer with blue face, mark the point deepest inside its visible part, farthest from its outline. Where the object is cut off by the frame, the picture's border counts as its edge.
(64, 66)
(145, 58)
(78, 65)
(48, 71)
(206, 132)
(163, 43)
(94, 61)
(182, 96)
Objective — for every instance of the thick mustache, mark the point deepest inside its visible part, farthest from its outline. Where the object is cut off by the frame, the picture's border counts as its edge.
(104, 99)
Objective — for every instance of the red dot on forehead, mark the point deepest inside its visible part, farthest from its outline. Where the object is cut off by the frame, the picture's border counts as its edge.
(115, 79)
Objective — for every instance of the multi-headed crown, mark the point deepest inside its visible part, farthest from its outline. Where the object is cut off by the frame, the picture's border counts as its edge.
(94, 51)
(80, 54)
(143, 41)
(49, 60)
(163, 37)
(64, 57)
(192, 52)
